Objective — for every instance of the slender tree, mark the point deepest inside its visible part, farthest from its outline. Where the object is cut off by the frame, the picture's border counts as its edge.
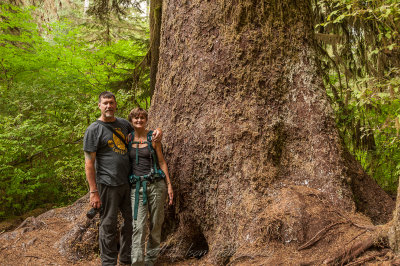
(86, 6)
(155, 26)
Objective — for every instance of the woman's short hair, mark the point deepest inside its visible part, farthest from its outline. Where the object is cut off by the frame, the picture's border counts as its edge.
(136, 112)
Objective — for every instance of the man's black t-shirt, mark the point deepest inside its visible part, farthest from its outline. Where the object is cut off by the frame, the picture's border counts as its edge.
(112, 158)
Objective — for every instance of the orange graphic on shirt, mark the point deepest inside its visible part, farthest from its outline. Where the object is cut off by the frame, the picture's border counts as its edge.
(116, 144)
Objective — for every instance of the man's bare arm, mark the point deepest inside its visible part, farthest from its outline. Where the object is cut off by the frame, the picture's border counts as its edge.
(90, 158)
(157, 135)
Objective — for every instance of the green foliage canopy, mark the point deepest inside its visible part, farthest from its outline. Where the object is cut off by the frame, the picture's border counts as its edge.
(50, 78)
(360, 49)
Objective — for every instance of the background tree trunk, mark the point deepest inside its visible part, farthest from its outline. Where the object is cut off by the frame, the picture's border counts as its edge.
(394, 231)
(250, 140)
(86, 6)
(155, 26)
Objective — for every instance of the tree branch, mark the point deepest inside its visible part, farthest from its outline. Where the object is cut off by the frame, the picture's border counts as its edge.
(31, 157)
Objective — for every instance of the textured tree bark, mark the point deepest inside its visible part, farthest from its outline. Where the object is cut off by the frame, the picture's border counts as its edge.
(394, 231)
(250, 137)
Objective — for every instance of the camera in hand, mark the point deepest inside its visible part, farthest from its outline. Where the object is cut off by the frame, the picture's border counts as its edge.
(92, 213)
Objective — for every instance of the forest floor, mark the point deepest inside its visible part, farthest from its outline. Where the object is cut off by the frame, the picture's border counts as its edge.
(36, 246)
(44, 240)
(36, 241)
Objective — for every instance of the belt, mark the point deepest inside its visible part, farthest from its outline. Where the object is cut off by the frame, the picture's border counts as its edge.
(141, 181)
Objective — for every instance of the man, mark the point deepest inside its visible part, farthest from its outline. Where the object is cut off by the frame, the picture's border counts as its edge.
(107, 168)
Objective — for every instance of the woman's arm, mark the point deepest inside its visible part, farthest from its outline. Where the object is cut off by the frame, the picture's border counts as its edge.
(164, 167)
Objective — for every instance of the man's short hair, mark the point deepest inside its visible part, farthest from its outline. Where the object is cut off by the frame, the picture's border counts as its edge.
(106, 94)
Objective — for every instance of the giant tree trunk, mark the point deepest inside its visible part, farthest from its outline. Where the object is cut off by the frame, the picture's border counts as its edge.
(256, 161)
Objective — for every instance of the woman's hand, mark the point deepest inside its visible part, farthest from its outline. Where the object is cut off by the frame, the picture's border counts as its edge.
(170, 194)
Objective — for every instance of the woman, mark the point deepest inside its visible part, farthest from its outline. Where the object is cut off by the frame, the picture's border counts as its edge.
(150, 183)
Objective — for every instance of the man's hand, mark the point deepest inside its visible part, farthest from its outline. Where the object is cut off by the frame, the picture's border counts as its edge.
(157, 135)
(129, 137)
(95, 201)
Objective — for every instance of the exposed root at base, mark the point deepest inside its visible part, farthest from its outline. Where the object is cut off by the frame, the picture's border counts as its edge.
(366, 259)
(352, 252)
(378, 236)
(318, 236)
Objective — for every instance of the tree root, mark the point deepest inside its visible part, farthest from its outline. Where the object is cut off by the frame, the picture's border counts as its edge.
(244, 258)
(364, 260)
(357, 236)
(368, 228)
(378, 235)
(352, 252)
(318, 236)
